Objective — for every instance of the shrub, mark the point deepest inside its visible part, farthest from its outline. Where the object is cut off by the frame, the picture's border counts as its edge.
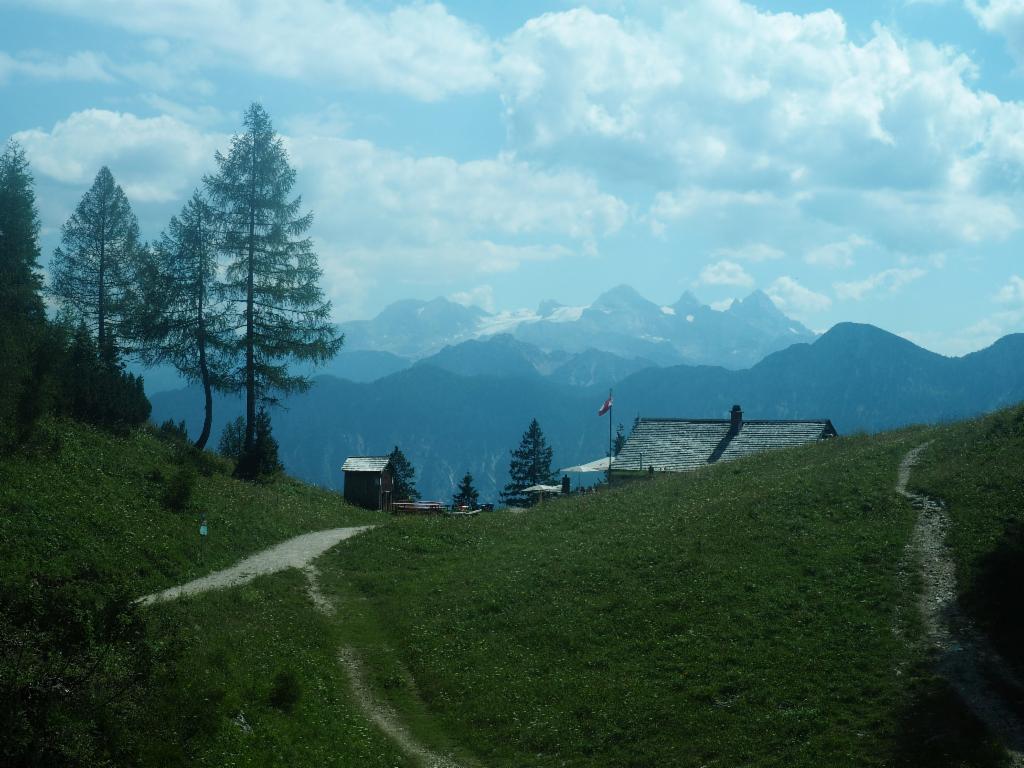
(260, 462)
(75, 670)
(285, 691)
(206, 464)
(173, 433)
(232, 439)
(179, 488)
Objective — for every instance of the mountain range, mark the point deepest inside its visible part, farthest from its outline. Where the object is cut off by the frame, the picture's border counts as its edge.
(454, 414)
(620, 322)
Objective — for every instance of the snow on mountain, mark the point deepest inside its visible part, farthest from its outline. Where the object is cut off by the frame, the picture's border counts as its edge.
(620, 321)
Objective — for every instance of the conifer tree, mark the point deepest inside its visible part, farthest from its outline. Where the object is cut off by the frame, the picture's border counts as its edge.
(467, 495)
(404, 477)
(176, 317)
(530, 465)
(20, 282)
(22, 318)
(272, 276)
(94, 266)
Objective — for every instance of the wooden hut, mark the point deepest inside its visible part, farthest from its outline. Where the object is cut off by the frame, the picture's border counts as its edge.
(368, 481)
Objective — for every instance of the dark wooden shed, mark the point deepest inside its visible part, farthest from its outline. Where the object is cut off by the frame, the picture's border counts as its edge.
(368, 481)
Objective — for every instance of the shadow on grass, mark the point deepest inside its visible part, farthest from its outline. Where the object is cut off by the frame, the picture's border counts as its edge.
(994, 598)
(937, 730)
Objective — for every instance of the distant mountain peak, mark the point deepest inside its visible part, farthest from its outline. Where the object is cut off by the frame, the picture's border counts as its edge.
(622, 296)
(687, 302)
(548, 306)
(620, 321)
(758, 300)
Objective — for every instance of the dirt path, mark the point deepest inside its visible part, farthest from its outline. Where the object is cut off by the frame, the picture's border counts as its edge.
(379, 712)
(965, 658)
(385, 717)
(298, 552)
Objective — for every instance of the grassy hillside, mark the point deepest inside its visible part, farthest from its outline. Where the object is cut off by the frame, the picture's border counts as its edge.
(92, 500)
(758, 613)
(755, 613)
(977, 468)
(247, 676)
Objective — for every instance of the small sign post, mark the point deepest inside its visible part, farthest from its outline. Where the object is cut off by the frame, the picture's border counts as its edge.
(203, 530)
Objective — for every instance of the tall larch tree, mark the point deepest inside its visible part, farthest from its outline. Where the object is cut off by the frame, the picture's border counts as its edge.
(272, 276)
(94, 265)
(530, 465)
(177, 317)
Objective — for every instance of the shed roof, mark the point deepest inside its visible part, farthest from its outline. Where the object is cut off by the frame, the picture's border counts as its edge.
(676, 445)
(365, 463)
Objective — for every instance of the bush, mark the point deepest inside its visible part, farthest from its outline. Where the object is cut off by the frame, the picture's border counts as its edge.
(75, 671)
(206, 464)
(285, 691)
(261, 462)
(173, 433)
(232, 439)
(179, 488)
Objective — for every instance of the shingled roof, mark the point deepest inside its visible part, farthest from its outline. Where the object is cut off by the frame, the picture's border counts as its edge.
(677, 445)
(365, 463)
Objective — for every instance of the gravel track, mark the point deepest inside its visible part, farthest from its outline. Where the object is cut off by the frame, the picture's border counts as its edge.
(298, 552)
(965, 658)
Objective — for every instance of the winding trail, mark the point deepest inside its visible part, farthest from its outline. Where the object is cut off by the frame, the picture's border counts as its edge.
(385, 717)
(298, 552)
(965, 659)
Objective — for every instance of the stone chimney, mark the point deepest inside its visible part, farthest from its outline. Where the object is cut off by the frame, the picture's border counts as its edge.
(735, 420)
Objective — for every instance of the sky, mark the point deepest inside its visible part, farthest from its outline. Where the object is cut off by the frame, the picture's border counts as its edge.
(856, 161)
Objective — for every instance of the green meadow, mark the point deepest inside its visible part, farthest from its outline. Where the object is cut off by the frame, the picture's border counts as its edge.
(754, 613)
(758, 613)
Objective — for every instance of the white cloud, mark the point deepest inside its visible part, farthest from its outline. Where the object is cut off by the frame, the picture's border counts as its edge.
(724, 91)
(977, 335)
(720, 306)
(792, 297)
(891, 280)
(419, 49)
(383, 195)
(693, 201)
(423, 220)
(1012, 292)
(838, 254)
(726, 273)
(481, 296)
(155, 159)
(84, 66)
(751, 252)
(722, 109)
(1004, 18)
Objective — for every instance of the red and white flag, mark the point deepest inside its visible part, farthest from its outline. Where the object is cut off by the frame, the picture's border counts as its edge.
(606, 407)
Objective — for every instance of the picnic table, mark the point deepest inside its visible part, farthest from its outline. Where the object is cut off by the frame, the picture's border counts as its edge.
(417, 508)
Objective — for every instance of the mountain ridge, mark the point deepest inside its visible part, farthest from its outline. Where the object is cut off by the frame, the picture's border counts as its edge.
(859, 376)
(619, 321)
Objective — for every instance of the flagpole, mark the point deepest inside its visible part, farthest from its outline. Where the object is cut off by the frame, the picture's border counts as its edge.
(610, 408)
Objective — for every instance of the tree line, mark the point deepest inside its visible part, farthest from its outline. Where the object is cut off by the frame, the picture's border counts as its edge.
(228, 294)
